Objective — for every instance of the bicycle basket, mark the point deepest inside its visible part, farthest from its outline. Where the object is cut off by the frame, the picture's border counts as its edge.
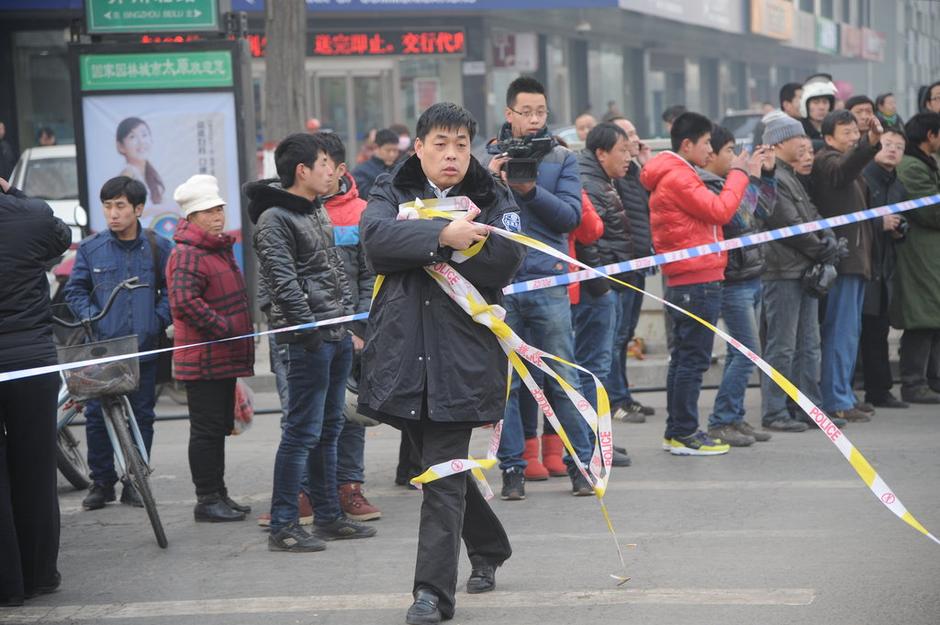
(110, 378)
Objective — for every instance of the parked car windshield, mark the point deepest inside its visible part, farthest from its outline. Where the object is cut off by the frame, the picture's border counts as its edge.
(51, 179)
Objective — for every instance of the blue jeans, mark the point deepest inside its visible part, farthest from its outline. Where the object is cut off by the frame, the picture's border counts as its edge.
(100, 452)
(350, 454)
(790, 325)
(593, 319)
(626, 316)
(740, 308)
(543, 316)
(841, 329)
(277, 356)
(691, 354)
(317, 390)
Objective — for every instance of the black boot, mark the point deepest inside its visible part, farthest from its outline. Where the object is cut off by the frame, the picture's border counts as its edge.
(234, 505)
(212, 509)
(98, 496)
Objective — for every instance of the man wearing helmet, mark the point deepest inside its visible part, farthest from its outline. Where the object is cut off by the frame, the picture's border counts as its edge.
(817, 101)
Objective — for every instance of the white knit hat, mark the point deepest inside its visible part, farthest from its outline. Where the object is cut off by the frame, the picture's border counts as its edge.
(199, 193)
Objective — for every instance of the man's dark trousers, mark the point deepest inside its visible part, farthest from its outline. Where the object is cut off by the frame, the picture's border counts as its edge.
(452, 507)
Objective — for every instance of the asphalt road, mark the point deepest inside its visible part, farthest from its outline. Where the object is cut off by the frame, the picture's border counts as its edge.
(780, 533)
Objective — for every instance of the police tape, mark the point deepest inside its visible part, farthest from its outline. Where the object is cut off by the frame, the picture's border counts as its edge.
(858, 462)
(649, 262)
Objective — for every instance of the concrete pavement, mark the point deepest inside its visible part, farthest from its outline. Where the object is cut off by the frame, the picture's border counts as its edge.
(783, 532)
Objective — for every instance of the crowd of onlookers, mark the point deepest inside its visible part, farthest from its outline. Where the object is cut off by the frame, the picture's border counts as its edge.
(811, 304)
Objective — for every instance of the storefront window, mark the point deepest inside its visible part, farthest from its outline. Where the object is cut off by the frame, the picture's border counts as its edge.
(424, 81)
(605, 77)
(41, 74)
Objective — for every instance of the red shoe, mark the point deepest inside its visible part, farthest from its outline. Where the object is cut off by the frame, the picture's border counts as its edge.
(535, 471)
(552, 450)
(303, 504)
(355, 505)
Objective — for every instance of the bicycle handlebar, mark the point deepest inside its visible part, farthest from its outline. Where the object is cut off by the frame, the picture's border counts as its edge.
(130, 284)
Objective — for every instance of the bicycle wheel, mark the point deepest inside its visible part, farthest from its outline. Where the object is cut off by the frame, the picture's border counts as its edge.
(70, 460)
(137, 471)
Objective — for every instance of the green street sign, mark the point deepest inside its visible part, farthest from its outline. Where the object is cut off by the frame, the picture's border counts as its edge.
(160, 70)
(143, 16)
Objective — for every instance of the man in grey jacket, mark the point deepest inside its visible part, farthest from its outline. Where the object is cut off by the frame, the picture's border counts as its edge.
(790, 315)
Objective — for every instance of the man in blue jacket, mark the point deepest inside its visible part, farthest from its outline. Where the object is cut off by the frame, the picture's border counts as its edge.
(550, 208)
(123, 251)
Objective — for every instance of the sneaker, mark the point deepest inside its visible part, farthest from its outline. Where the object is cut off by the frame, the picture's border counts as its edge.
(649, 411)
(785, 424)
(810, 424)
(513, 485)
(890, 401)
(355, 505)
(667, 444)
(580, 486)
(130, 496)
(729, 434)
(343, 529)
(864, 406)
(622, 450)
(698, 444)
(852, 415)
(920, 395)
(621, 459)
(98, 495)
(295, 539)
(746, 428)
(630, 413)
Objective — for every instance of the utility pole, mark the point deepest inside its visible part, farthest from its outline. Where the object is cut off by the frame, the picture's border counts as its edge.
(285, 26)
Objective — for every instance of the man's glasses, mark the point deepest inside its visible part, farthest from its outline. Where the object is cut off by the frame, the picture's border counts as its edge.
(527, 113)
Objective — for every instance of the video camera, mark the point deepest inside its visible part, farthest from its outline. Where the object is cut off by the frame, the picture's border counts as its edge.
(524, 156)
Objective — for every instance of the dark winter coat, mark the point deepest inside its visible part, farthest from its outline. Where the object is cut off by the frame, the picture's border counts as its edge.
(814, 134)
(759, 198)
(366, 173)
(300, 265)
(838, 189)
(30, 237)
(209, 302)
(420, 345)
(788, 258)
(345, 211)
(551, 210)
(916, 301)
(103, 262)
(883, 188)
(636, 203)
(614, 245)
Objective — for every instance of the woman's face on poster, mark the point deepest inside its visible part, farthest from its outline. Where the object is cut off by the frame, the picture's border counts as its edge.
(136, 145)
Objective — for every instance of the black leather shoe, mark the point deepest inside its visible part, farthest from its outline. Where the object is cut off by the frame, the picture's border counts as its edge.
(98, 495)
(424, 610)
(234, 505)
(482, 578)
(130, 496)
(211, 509)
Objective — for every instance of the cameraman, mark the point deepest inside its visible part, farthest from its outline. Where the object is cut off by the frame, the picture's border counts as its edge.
(550, 208)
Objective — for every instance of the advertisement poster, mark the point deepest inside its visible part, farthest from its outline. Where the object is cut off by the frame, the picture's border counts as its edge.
(162, 140)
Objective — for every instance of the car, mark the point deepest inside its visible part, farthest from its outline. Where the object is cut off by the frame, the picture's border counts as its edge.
(742, 125)
(51, 173)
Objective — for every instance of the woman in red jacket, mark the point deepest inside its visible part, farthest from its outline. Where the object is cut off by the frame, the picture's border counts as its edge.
(208, 301)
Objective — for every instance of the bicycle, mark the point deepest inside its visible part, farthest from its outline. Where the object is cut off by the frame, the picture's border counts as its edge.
(109, 383)
(69, 458)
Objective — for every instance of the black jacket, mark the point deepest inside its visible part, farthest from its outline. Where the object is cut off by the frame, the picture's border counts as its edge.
(838, 188)
(788, 258)
(366, 173)
(636, 203)
(883, 188)
(614, 245)
(30, 237)
(301, 269)
(420, 345)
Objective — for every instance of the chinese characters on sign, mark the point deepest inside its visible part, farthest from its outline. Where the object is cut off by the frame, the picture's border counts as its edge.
(155, 71)
(387, 43)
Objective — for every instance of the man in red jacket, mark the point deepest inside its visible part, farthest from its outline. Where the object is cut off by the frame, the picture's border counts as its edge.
(684, 213)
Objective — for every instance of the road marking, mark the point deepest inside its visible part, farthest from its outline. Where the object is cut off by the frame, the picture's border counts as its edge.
(502, 600)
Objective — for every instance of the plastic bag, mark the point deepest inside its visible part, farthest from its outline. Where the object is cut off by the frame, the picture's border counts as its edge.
(244, 407)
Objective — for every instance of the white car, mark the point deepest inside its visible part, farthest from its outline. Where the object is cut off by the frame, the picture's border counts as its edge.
(51, 173)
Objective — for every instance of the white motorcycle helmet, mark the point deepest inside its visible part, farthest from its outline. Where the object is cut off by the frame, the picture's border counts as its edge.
(817, 86)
